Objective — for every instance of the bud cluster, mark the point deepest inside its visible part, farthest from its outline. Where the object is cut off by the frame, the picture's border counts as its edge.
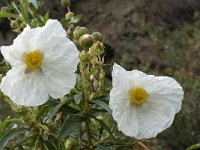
(91, 60)
(82, 36)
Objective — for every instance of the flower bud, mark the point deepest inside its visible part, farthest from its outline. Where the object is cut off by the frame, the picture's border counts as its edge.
(14, 24)
(85, 57)
(69, 32)
(65, 3)
(97, 48)
(102, 75)
(80, 31)
(97, 36)
(86, 41)
(69, 15)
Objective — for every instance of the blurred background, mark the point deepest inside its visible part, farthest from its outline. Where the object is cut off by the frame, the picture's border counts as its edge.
(160, 37)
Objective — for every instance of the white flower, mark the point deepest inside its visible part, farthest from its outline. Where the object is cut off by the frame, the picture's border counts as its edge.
(43, 63)
(143, 105)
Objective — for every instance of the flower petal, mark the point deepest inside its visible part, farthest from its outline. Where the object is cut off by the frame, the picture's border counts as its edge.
(119, 74)
(26, 90)
(57, 76)
(59, 66)
(58, 81)
(166, 90)
(153, 116)
(11, 55)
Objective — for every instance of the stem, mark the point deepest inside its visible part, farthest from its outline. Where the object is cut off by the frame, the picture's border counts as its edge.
(68, 9)
(86, 107)
(87, 126)
(89, 137)
(143, 146)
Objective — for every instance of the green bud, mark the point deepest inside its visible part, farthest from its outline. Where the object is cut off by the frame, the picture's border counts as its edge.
(97, 36)
(65, 3)
(97, 48)
(102, 75)
(80, 31)
(68, 144)
(85, 57)
(14, 24)
(86, 41)
(69, 15)
(69, 32)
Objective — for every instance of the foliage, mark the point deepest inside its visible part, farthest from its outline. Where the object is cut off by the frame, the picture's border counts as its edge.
(81, 119)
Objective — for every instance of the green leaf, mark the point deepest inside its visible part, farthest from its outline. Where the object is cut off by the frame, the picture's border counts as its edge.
(65, 22)
(196, 146)
(78, 97)
(6, 123)
(10, 135)
(72, 20)
(34, 2)
(103, 105)
(70, 110)
(46, 17)
(69, 126)
(104, 126)
(10, 15)
(101, 147)
(76, 19)
(55, 109)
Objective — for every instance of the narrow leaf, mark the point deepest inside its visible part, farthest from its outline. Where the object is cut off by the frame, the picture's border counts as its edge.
(55, 109)
(34, 2)
(105, 127)
(10, 15)
(103, 105)
(78, 97)
(10, 135)
(193, 147)
(69, 126)
(76, 19)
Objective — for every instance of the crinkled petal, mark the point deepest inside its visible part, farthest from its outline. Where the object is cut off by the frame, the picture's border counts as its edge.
(122, 112)
(152, 117)
(165, 100)
(58, 81)
(166, 89)
(26, 90)
(40, 38)
(59, 67)
(119, 74)
(11, 55)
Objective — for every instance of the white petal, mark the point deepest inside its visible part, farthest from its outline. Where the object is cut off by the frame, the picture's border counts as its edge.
(11, 55)
(60, 60)
(26, 90)
(119, 74)
(58, 81)
(59, 66)
(49, 35)
(166, 90)
(123, 112)
(152, 117)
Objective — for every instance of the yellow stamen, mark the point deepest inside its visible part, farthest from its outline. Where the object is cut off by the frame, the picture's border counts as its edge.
(138, 95)
(33, 59)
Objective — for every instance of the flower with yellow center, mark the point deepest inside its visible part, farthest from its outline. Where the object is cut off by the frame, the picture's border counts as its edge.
(143, 105)
(33, 59)
(138, 95)
(43, 63)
